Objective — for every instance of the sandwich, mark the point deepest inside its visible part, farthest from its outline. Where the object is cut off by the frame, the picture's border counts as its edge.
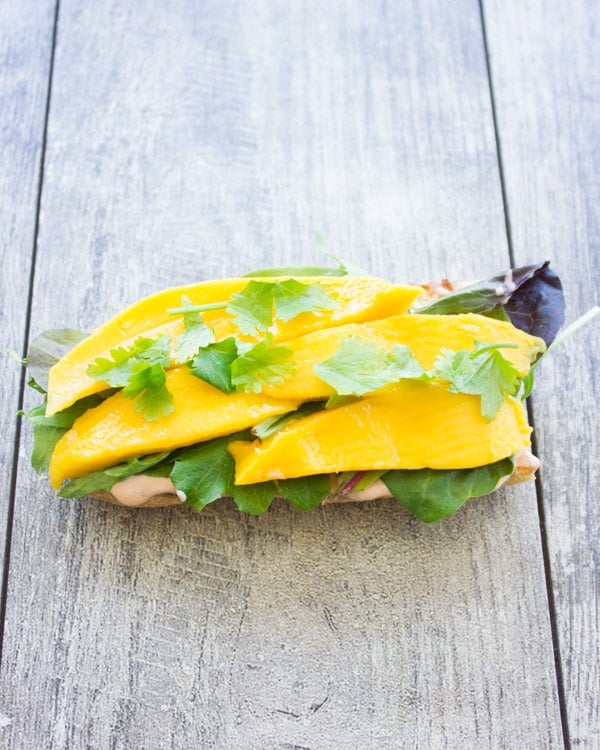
(308, 384)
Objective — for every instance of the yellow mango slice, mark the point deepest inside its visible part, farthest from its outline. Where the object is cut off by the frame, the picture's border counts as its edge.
(359, 298)
(410, 425)
(425, 336)
(113, 432)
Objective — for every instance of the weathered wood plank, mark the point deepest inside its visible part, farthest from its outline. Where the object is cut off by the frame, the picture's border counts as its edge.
(546, 80)
(25, 43)
(186, 144)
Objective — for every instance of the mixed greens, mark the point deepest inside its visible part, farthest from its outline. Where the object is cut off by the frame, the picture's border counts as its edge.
(530, 297)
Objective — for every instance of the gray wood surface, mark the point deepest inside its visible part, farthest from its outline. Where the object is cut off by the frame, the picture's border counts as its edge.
(190, 141)
(545, 67)
(25, 43)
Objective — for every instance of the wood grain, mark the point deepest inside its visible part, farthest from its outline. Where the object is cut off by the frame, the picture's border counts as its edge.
(25, 43)
(190, 142)
(545, 67)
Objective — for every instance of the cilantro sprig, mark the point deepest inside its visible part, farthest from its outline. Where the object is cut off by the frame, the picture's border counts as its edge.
(359, 367)
(260, 303)
(196, 335)
(231, 365)
(481, 371)
(141, 372)
(260, 365)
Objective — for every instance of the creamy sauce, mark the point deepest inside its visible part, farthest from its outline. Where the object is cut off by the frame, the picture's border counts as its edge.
(136, 490)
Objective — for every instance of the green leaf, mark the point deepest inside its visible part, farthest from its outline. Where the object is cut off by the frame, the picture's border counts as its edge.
(155, 400)
(272, 425)
(47, 431)
(117, 370)
(254, 498)
(263, 364)
(213, 364)
(305, 493)
(46, 350)
(195, 336)
(292, 297)
(45, 439)
(252, 308)
(360, 367)
(139, 370)
(204, 472)
(103, 481)
(432, 494)
(296, 271)
(481, 371)
(261, 302)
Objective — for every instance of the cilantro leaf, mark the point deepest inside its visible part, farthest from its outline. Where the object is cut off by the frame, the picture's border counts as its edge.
(252, 308)
(432, 494)
(117, 370)
(139, 370)
(262, 364)
(292, 297)
(156, 400)
(261, 302)
(481, 371)
(360, 367)
(213, 364)
(195, 336)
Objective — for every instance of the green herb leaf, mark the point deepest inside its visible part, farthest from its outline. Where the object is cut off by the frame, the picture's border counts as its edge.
(261, 302)
(156, 400)
(204, 472)
(273, 424)
(432, 494)
(263, 364)
(252, 308)
(481, 371)
(296, 271)
(291, 298)
(196, 335)
(360, 367)
(140, 370)
(213, 364)
(305, 493)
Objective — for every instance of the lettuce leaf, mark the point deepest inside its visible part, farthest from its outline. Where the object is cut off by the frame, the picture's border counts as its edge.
(433, 494)
(532, 297)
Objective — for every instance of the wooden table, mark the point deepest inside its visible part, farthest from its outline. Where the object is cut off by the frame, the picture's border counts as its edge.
(149, 144)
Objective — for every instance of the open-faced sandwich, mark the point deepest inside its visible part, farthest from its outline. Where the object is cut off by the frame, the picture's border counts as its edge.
(307, 384)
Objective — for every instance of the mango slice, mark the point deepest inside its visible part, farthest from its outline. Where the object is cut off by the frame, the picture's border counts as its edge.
(113, 432)
(359, 298)
(410, 425)
(425, 336)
